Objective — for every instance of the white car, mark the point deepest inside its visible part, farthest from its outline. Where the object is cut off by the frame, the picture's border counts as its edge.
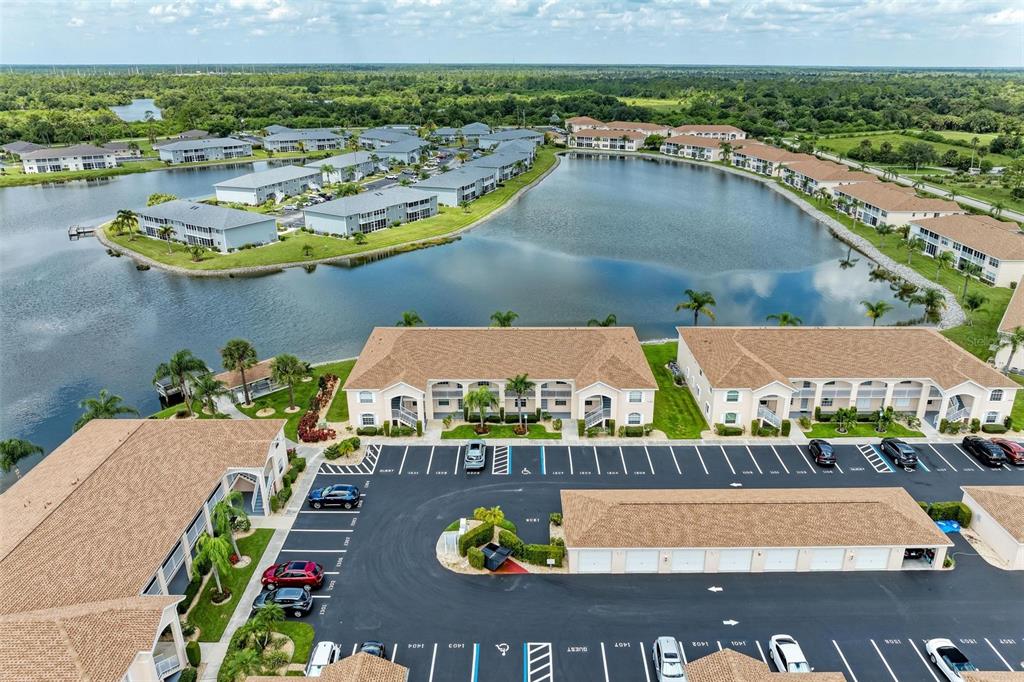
(324, 654)
(948, 659)
(668, 664)
(391, 177)
(787, 655)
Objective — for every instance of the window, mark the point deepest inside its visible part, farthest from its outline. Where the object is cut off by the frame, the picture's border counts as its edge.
(991, 417)
(365, 397)
(698, 391)
(520, 402)
(561, 403)
(707, 408)
(732, 396)
(367, 419)
(636, 397)
(996, 395)
(730, 418)
(826, 402)
(443, 403)
(633, 419)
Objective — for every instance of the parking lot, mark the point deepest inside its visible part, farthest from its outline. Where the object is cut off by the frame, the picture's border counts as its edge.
(385, 583)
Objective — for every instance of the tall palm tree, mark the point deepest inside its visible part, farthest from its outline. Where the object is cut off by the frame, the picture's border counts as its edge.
(609, 321)
(973, 303)
(503, 319)
(932, 300)
(217, 551)
(997, 209)
(239, 355)
(913, 245)
(103, 406)
(181, 369)
(206, 389)
(166, 232)
(348, 189)
(943, 259)
(326, 169)
(726, 148)
(229, 507)
(519, 386)
(409, 319)
(1014, 341)
(785, 319)
(699, 302)
(125, 221)
(969, 270)
(876, 310)
(14, 449)
(481, 399)
(288, 369)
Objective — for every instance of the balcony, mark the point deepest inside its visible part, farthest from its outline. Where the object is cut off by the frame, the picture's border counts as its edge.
(165, 658)
(555, 393)
(447, 393)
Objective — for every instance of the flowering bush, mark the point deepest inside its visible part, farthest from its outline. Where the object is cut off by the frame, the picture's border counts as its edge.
(308, 429)
(233, 558)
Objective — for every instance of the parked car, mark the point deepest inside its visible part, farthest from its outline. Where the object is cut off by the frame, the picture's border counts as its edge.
(787, 655)
(986, 451)
(948, 659)
(476, 456)
(294, 600)
(822, 452)
(374, 648)
(337, 495)
(324, 653)
(305, 574)
(901, 454)
(668, 664)
(391, 177)
(1014, 451)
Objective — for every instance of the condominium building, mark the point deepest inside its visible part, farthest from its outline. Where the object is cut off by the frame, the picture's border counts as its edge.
(460, 185)
(614, 140)
(470, 133)
(738, 374)
(311, 140)
(506, 163)
(409, 150)
(273, 183)
(208, 149)
(74, 158)
(578, 123)
(215, 227)
(815, 176)
(876, 203)
(691, 147)
(647, 129)
(349, 167)
(370, 211)
(375, 138)
(718, 132)
(123, 151)
(19, 147)
(410, 374)
(762, 158)
(994, 245)
(495, 138)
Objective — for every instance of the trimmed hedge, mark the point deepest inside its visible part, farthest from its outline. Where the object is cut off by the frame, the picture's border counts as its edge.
(581, 427)
(193, 654)
(366, 431)
(633, 432)
(994, 428)
(187, 675)
(507, 525)
(513, 418)
(539, 554)
(726, 430)
(512, 541)
(476, 557)
(786, 427)
(480, 535)
(951, 511)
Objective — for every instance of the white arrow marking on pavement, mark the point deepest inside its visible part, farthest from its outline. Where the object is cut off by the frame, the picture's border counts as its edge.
(715, 589)
(730, 622)
(736, 485)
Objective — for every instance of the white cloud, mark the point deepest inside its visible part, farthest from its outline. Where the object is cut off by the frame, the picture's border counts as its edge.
(1010, 16)
(75, 22)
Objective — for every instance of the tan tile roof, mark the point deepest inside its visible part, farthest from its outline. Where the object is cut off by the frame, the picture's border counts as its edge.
(889, 196)
(752, 357)
(416, 355)
(233, 379)
(699, 128)
(583, 120)
(611, 134)
(799, 517)
(993, 676)
(637, 125)
(822, 170)
(731, 666)
(118, 493)
(1004, 503)
(998, 238)
(1013, 317)
(359, 667)
(766, 152)
(694, 141)
(95, 641)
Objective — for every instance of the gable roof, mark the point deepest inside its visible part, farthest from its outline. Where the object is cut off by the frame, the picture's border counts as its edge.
(269, 177)
(824, 171)
(583, 120)
(409, 144)
(416, 355)
(62, 152)
(305, 134)
(797, 517)
(501, 158)
(637, 126)
(512, 134)
(998, 238)
(993, 676)
(359, 667)
(453, 179)
(476, 128)
(616, 134)
(386, 134)
(695, 141)
(1013, 317)
(766, 152)
(20, 147)
(232, 378)
(889, 196)
(205, 143)
(697, 128)
(364, 202)
(343, 160)
(728, 665)
(204, 215)
(1004, 503)
(752, 357)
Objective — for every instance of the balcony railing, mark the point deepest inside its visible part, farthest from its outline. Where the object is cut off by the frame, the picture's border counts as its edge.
(595, 417)
(767, 415)
(404, 416)
(555, 393)
(447, 392)
(167, 663)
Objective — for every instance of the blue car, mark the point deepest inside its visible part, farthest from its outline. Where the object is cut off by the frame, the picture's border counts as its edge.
(338, 495)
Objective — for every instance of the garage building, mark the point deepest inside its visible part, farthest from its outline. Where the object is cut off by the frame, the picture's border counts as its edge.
(998, 519)
(748, 531)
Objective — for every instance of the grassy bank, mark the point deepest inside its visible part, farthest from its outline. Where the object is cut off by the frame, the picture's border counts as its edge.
(212, 619)
(304, 391)
(845, 143)
(675, 410)
(294, 248)
(197, 409)
(467, 432)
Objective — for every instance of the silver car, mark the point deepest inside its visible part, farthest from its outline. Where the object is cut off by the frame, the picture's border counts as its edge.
(324, 654)
(668, 663)
(476, 456)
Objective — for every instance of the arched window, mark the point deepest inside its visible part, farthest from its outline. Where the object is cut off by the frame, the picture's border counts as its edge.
(997, 395)
(633, 419)
(732, 396)
(367, 419)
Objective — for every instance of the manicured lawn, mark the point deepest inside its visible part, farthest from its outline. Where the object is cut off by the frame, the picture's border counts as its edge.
(210, 619)
(197, 408)
(304, 392)
(534, 432)
(860, 430)
(1017, 413)
(300, 633)
(291, 250)
(675, 411)
(847, 142)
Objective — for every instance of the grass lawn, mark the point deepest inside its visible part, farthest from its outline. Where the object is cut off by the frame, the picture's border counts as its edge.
(197, 408)
(845, 143)
(210, 619)
(675, 411)
(534, 432)
(860, 430)
(290, 251)
(300, 633)
(304, 392)
(1017, 413)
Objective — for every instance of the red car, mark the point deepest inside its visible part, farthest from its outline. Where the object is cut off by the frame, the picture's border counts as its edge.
(1014, 451)
(307, 574)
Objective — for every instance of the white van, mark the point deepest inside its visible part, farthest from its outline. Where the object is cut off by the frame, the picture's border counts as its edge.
(668, 662)
(324, 654)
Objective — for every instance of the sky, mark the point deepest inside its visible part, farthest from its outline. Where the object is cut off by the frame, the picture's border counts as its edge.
(970, 33)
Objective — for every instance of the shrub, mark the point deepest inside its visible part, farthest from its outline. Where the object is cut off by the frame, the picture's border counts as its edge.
(187, 628)
(817, 414)
(299, 463)
(592, 432)
(539, 554)
(512, 541)
(648, 429)
(611, 426)
(476, 557)
(354, 442)
(726, 430)
(401, 431)
(580, 427)
(465, 413)
(333, 451)
(275, 503)
(805, 423)
(951, 511)
(975, 425)
(501, 413)
(556, 424)
(513, 418)
(923, 505)
(367, 431)
(187, 675)
(943, 425)
(241, 524)
(419, 427)
(387, 428)
(755, 425)
(768, 431)
(181, 413)
(192, 589)
(480, 535)
(633, 431)
(193, 654)
(1008, 422)
(555, 518)
(507, 525)
(994, 428)
(786, 427)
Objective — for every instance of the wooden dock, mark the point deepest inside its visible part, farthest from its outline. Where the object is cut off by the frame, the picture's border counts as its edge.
(76, 232)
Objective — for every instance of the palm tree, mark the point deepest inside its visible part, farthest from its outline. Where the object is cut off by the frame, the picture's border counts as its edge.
(224, 511)
(1014, 341)
(913, 245)
(215, 550)
(785, 319)
(876, 310)
(969, 270)
(166, 232)
(481, 399)
(196, 251)
(493, 515)
(125, 221)
(503, 319)
(997, 209)
(973, 302)
(265, 622)
(288, 369)
(104, 406)
(944, 259)
(519, 386)
(206, 389)
(932, 300)
(181, 368)
(409, 319)
(348, 189)
(239, 355)
(699, 302)
(241, 663)
(14, 449)
(726, 148)
(327, 169)
(823, 194)
(609, 321)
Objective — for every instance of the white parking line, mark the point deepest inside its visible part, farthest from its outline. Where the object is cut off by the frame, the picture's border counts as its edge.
(941, 457)
(923, 660)
(727, 460)
(675, 461)
(966, 456)
(879, 652)
(649, 462)
(784, 467)
(761, 651)
(394, 651)
(604, 662)
(804, 457)
(458, 454)
(751, 453)
(701, 460)
(318, 551)
(430, 461)
(682, 651)
(402, 465)
(845, 662)
(719, 645)
(570, 461)
(433, 660)
(597, 461)
(332, 572)
(320, 596)
(1008, 666)
(329, 511)
(320, 530)
(355, 646)
(643, 661)
(625, 470)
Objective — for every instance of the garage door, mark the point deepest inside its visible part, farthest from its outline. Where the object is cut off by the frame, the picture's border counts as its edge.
(734, 559)
(827, 559)
(780, 559)
(642, 561)
(688, 561)
(872, 559)
(595, 561)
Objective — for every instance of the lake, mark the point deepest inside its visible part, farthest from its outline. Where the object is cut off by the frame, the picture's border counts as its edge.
(136, 111)
(595, 237)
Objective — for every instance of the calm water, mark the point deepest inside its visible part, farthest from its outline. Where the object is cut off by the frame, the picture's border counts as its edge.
(596, 237)
(136, 111)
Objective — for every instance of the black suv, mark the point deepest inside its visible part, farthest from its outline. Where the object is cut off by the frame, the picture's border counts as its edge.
(337, 495)
(294, 600)
(902, 454)
(985, 450)
(822, 452)
(374, 648)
